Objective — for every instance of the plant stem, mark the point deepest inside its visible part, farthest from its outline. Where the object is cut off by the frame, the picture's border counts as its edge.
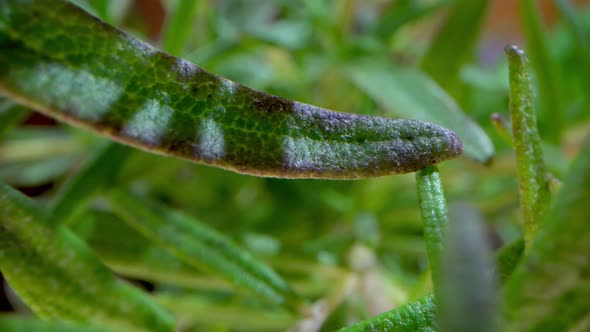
(433, 209)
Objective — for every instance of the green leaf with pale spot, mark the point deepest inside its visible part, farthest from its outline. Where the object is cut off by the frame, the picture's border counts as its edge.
(57, 59)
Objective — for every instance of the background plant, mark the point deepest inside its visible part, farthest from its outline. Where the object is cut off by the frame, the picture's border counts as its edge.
(357, 246)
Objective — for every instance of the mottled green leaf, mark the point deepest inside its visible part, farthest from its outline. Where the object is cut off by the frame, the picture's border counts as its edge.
(129, 91)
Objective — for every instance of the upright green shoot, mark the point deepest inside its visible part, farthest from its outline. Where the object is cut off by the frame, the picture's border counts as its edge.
(532, 174)
(433, 208)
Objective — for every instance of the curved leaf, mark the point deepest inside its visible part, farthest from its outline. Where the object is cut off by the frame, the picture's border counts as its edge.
(78, 69)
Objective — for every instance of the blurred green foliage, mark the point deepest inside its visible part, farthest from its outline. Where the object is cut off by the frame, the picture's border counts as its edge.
(315, 51)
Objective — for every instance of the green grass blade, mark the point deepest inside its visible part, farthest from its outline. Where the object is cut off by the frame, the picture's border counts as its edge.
(10, 115)
(508, 258)
(419, 315)
(403, 12)
(467, 299)
(455, 44)
(177, 29)
(93, 177)
(579, 34)
(206, 313)
(410, 93)
(129, 253)
(433, 209)
(58, 276)
(531, 170)
(13, 324)
(552, 107)
(200, 246)
(550, 289)
(102, 9)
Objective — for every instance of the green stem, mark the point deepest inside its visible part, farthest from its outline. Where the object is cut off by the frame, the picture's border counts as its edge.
(433, 208)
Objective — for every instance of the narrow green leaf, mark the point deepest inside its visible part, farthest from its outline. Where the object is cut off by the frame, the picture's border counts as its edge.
(102, 9)
(14, 324)
(550, 289)
(94, 176)
(78, 69)
(410, 93)
(56, 274)
(532, 174)
(433, 208)
(177, 29)
(454, 44)
(406, 11)
(200, 246)
(467, 299)
(552, 107)
(34, 173)
(508, 258)
(10, 115)
(129, 253)
(580, 36)
(419, 315)
(207, 313)
(503, 127)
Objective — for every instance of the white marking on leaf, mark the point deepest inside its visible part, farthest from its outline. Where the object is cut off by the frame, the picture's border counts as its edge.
(73, 91)
(149, 123)
(211, 140)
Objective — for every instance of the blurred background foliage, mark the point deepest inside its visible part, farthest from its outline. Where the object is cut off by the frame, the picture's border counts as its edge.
(319, 234)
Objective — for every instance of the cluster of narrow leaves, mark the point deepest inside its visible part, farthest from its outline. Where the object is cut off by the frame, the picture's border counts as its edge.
(63, 258)
(547, 290)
